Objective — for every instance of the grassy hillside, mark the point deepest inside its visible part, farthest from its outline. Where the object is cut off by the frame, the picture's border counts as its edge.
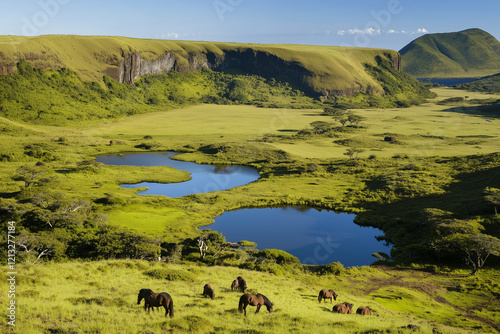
(60, 97)
(468, 53)
(101, 297)
(490, 84)
(329, 69)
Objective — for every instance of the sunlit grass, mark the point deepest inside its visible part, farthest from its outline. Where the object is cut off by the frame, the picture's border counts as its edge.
(102, 296)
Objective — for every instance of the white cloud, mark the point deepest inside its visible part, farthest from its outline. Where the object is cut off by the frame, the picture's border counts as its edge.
(355, 31)
(173, 35)
(371, 31)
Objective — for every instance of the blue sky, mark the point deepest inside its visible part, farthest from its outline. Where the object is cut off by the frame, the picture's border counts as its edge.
(367, 23)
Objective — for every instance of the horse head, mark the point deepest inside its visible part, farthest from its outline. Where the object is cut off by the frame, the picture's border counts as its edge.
(140, 296)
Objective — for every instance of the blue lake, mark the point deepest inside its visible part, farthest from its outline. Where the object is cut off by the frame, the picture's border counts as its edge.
(204, 178)
(313, 236)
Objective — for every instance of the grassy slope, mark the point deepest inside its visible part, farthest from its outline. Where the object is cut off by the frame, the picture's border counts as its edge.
(89, 56)
(489, 84)
(101, 297)
(468, 53)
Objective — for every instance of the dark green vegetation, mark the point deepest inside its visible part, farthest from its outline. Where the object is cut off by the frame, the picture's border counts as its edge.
(464, 54)
(490, 84)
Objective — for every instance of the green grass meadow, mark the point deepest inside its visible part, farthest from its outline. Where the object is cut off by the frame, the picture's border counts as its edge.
(101, 297)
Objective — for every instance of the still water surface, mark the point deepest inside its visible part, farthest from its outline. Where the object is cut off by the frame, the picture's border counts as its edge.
(204, 178)
(313, 236)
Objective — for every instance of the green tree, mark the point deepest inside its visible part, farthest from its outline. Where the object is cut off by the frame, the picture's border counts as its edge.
(492, 196)
(320, 127)
(33, 175)
(355, 119)
(474, 248)
(464, 238)
(353, 153)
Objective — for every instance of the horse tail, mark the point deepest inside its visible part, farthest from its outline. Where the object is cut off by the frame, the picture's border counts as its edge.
(320, 296)
(171, 308)
(240, 305)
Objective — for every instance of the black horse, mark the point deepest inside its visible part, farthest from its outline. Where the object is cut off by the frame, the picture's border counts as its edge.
(208, 291)
(242, 284)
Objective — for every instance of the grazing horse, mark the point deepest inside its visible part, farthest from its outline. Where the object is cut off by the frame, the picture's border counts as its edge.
(327, 294)
(364, 310)
(152, 299)
(208, 291)
(242, 284)
(254, 300)
(344, 308)
(142, 294)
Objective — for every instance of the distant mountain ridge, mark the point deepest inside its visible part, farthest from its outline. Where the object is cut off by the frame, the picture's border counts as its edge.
(465, 54)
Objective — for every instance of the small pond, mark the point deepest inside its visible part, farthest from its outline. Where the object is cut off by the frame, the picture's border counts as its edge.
(204, 178)
(313, 236)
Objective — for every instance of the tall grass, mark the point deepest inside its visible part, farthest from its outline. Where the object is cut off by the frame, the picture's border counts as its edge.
(101, 297)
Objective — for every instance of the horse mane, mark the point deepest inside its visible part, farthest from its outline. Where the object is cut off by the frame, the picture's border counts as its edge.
(267, 302)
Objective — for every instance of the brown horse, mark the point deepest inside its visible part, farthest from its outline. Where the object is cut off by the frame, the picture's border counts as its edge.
(142, 294)
(239, 283)
(254, 300)
(364, 310)
(327, 294)
(344, 308)
(208, 291)
(152, 299)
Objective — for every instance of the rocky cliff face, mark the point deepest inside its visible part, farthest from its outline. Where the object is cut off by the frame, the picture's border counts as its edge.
(247, 61)
(133, 66)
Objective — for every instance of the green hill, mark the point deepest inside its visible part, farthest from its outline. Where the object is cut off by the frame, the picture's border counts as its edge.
(322, 70)
(489, 84)
(467, 54)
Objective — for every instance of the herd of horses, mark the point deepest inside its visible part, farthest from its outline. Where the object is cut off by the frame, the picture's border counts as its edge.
(344, 308)
(152, 300)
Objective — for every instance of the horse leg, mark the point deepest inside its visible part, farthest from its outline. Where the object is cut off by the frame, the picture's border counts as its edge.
(245, 309)
(258, 309)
